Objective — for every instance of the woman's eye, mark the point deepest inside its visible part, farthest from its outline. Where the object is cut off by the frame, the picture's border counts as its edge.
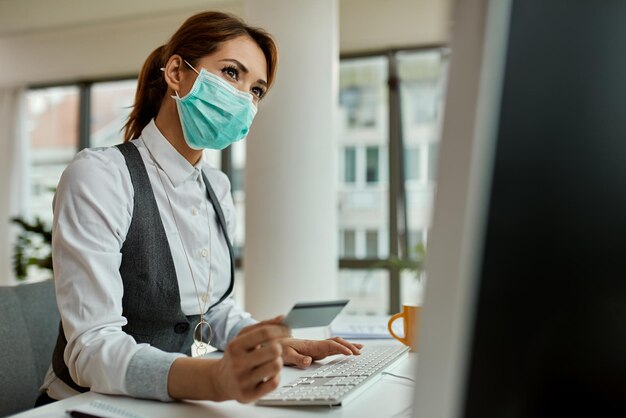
(258, 92)
(231, 72)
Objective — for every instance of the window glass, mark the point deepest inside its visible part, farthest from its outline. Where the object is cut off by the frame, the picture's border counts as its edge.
(363, 141)
(372, 165)
(412, 164)
(237, 175)
(362, 86)
(433, 155)
(52, 131)
(349, 244)
(415, 237)
(349, 165)
(422, 87)
(411, 287)
(371, 244)
(111, 103)
(368, 291)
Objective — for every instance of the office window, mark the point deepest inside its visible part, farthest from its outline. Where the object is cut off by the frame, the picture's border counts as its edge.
(415, 238)
(372, 165)
(52, 130)
(368, 290)
(236, 154)
(363, 139)
(412, 163)
(111, 103)
(52, 125)
(433, 156)
(361, 86)
(348, 246)
(349, 165)
(364, 200)
(371, 244)
(422, 87)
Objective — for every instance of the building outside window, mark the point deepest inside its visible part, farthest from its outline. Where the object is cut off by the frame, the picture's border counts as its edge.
(364, 203)
(52, 131)
(349, 165)
(372, 165)
(111, 103)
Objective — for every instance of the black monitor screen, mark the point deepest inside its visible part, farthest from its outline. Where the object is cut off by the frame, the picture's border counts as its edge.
(550, 325)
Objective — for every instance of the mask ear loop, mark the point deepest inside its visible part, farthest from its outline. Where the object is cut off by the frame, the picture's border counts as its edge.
(191, 66)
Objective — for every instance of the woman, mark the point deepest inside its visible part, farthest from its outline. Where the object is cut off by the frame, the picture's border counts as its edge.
(142, 259)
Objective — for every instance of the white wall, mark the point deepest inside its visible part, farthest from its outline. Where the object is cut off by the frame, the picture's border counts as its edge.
(291, 207)
(367, 25)
(112, 48)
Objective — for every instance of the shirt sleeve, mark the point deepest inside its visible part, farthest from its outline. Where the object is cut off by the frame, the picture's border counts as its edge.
(227, 319)
(92, 213)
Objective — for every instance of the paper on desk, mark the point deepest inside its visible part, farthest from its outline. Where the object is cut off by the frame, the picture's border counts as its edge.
(364, 327)
(104, 410)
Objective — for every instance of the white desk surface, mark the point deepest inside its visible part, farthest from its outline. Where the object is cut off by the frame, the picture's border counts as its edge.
(389, 397)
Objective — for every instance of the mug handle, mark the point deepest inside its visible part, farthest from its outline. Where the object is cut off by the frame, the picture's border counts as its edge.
(393, 334)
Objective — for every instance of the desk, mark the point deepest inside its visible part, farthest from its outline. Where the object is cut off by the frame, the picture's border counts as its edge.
(387, 398)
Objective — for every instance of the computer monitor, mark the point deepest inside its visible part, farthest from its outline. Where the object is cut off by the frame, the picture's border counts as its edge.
(525, 302)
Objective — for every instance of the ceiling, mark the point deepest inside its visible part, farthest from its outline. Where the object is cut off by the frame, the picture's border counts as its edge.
(28, 16)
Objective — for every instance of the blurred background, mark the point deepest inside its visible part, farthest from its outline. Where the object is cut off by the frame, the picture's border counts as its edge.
(369, 75)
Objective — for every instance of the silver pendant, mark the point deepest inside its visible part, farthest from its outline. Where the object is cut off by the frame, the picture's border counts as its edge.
(202, 336)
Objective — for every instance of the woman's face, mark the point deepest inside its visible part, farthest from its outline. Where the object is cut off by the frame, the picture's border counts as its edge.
(239, 61)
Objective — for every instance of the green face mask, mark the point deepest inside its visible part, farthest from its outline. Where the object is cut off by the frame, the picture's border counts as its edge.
(214, 114)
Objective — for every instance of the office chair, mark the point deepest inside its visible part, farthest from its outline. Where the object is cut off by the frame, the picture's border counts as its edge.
(29, 323)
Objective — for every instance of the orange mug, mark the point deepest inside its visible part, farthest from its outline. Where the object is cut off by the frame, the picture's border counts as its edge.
(410, 316)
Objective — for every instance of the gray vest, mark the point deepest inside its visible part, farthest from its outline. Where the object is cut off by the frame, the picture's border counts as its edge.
(151, 301)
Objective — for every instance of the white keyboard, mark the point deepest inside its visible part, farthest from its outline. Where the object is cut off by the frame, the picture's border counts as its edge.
(338, 381)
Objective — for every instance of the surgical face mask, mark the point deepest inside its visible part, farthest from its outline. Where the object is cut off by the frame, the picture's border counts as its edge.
(214, 114)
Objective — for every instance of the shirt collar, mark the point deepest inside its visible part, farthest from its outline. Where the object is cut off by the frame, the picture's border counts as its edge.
(175, 166)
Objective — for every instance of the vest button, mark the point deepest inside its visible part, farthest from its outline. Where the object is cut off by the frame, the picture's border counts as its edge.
(181, 328)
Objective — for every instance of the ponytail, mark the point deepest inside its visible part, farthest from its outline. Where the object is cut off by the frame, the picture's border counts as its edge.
(151, 87)
(199, 36)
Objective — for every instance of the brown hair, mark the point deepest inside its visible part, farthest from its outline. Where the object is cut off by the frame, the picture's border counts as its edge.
(199, 36)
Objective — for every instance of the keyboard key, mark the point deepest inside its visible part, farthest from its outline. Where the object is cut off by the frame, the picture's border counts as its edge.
(330, 383)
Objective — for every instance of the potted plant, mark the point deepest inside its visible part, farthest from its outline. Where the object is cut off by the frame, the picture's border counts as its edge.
(32, 247)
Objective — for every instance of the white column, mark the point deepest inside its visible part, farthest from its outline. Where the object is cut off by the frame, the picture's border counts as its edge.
(291, 172)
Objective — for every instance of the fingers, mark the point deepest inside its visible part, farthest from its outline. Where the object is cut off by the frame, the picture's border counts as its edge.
(293, 358)
(265, 372)
(265, 353)
(256, 382)
(333, 347)
(353, 347)
(265, 387)
(252, 362)
(258, 336)
(277, 320)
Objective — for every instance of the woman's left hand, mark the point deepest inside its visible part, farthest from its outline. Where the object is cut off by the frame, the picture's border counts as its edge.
(301, 353)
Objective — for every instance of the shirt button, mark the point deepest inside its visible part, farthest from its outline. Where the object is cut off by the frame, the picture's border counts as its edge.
(194, 211)
(204, 252)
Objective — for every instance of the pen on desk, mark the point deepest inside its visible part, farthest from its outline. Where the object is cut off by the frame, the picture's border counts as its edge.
(78, 414)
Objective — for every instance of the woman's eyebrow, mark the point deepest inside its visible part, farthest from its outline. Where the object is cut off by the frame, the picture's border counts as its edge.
(237, 63)
(243, 68)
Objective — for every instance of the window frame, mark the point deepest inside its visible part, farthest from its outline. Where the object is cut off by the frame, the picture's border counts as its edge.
(396, 176)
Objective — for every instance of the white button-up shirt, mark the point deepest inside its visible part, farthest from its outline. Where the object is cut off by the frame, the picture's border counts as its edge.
(93, 209)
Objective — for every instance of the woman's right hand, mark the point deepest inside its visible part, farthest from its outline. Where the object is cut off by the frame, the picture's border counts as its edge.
(251, 364)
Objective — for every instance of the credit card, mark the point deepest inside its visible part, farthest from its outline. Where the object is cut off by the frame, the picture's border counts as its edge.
(314, 314)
